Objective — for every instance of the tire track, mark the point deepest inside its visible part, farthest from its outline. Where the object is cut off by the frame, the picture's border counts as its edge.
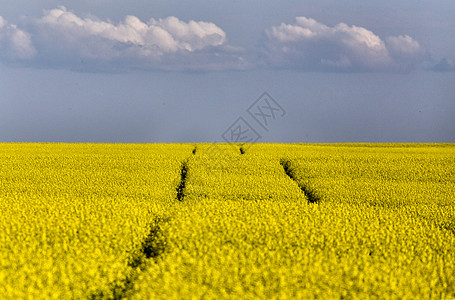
(309, 193)
(182, 183)
(242, 150)
(152, 247)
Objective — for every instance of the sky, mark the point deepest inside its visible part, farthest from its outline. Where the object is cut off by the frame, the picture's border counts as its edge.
(139, 71)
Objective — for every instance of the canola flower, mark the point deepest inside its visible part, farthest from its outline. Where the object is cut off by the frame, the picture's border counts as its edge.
(104, 221)
(247, 231)
(72, 215)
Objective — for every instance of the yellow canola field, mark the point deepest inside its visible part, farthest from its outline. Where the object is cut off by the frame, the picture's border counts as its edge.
(73, 215)
(245, 230)
(105, 221)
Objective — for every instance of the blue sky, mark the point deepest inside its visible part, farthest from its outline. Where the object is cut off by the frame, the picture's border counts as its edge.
(180, 71)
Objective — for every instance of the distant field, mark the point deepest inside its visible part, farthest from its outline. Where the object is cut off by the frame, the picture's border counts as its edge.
(218, 221)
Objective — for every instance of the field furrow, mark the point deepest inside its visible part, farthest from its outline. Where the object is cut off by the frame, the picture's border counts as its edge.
(182, 184)
(73, 217)
(224, 221)
(309, 193)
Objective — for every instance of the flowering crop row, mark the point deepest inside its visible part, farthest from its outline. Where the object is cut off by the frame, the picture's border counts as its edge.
(380, 229)
(275, 221)
(72, 217)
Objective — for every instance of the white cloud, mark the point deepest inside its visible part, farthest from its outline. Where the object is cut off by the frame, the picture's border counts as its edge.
(311, 45)
(2, 22)
(64, 39)
(61, 38)
(154, 38)
(403, 45)
(14, 43)
(444, 65)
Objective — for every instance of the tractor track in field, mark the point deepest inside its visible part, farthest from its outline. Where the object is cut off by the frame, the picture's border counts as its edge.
(152, 247)
(182, 184)
(309, 194)
(242, 150)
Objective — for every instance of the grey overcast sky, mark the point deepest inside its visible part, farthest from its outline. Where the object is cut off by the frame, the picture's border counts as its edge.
(186, 71)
